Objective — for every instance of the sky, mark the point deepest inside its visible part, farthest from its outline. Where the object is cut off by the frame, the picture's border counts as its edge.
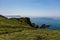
(37, 8)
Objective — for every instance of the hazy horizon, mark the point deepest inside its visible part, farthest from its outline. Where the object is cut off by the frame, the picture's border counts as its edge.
(34, 8)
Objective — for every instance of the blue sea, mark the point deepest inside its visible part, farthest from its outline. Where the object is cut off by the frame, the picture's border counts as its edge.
(53, 22)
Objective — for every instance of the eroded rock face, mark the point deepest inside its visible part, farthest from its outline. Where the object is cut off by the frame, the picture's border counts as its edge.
(34, 25)
(27, 19)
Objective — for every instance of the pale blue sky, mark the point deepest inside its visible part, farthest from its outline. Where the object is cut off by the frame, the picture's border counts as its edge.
(42, 8)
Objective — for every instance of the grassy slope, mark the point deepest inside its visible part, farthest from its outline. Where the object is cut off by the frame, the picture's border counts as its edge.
(22, 31)
(32, 35)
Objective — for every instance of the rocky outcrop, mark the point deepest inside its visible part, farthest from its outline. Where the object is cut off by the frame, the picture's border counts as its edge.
(34, 25)
(27, 20)
(44, 26)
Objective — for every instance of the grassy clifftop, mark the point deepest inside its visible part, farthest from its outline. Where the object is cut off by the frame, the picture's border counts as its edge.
(14, 21)
(20, 29)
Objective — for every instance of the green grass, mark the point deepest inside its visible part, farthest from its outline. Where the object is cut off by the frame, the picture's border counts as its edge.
(32, 35)
(17, 30)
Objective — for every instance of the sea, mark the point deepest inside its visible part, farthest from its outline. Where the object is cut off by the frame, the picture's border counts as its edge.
(53, 22)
